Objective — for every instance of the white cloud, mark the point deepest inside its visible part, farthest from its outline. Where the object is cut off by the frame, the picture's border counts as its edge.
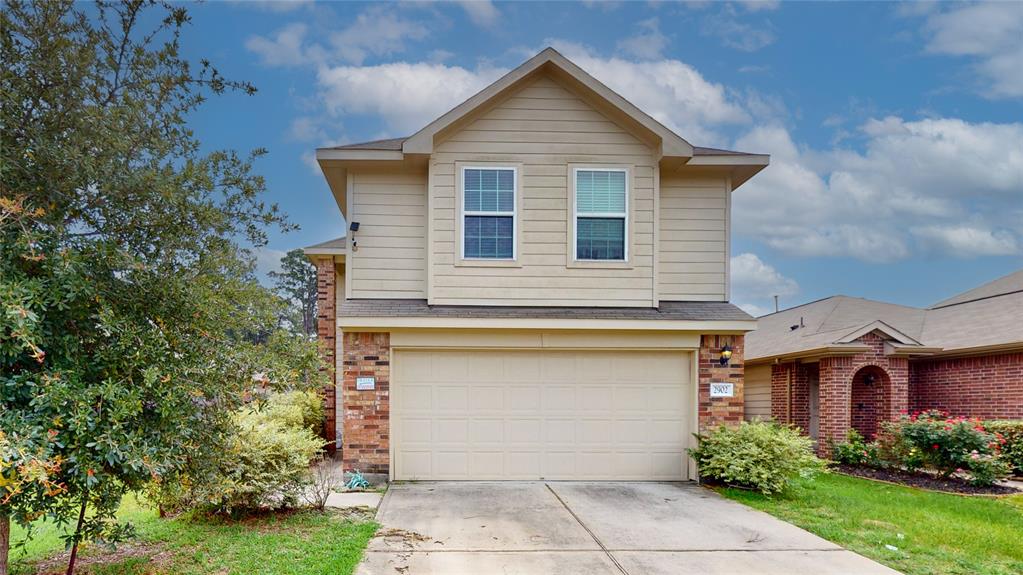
(405, 96)
(910, 189)
(274, 5)
(760, 5)
(755, 283)
(648, 44)
(267, 260)
(378, 31)
(481, 12)
(966, 241)
(989, 32)
(735, 34)
(670, 90)
(284, 49)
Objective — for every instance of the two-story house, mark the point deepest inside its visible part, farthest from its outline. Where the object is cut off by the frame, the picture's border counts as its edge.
(535, 285)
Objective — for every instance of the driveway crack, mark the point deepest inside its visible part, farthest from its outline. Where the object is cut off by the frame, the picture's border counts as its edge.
(588, 530)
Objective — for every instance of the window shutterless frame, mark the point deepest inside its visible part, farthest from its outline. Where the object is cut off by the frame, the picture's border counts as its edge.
(576, 215)
(513, 214)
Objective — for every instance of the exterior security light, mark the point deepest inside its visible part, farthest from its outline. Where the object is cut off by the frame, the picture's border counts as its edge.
(726, 354)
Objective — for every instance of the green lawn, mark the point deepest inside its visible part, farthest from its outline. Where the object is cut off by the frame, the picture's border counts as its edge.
(933, 532)
(300, 543)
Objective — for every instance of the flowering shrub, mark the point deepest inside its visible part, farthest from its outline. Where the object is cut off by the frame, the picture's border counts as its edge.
(759, 455)
(1011, 434)
(948, 444)
(856, 451)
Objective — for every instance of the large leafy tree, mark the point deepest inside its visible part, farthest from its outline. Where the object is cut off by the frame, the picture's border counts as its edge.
(296, 284)
(130, 322)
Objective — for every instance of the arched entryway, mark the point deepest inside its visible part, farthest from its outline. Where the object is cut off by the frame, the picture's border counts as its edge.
(869, 387)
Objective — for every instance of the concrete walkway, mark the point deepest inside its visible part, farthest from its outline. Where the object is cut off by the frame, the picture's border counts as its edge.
(570, 528)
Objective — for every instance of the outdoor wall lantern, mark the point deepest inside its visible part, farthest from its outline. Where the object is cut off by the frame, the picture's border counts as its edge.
(354, 227)
(726, 354)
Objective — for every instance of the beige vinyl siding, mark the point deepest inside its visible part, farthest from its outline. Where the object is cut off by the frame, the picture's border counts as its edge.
(542, 128)
(390, 207)
(693, 238)
(757, 391)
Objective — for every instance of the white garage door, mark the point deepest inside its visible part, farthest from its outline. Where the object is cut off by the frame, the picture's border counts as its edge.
(541, 414)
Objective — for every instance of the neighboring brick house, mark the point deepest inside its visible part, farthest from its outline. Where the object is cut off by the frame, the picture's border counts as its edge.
(535, 285)
(846, 362)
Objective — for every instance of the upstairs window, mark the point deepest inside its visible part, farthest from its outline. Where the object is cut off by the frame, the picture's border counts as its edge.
(488, 212)
(601, 214)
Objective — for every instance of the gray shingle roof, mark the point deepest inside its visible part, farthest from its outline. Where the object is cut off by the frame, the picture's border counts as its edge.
(989, 315)
(394, 144)
(669, 310)
(388, 144)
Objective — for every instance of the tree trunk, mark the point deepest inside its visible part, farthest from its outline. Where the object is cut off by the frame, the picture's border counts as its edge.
(78, 535)
(5, 542)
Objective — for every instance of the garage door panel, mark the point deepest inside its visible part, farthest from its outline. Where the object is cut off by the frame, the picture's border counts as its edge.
(584, 415)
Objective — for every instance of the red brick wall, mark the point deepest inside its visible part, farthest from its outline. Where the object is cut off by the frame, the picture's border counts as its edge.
(836, 379)
(798, 413)
(715, 411)
(989, 387)
(366, 415)
(326, 333)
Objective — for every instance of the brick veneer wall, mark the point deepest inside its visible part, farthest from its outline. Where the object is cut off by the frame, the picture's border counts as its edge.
(715, 411)
(836, 377)
(326, 333)
(989, 387)
(795, 409)
(366, 438)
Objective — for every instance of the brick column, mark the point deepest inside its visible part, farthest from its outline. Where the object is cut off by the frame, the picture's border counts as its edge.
(720, 410)
(834, 401)
(366, 414)
(326, 333)
(895, 399)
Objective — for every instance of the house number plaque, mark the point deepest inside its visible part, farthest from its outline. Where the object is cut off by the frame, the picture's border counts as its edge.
(365, 383)
(718, 389)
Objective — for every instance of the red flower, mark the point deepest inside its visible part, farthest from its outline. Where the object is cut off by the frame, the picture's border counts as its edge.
(935, 446)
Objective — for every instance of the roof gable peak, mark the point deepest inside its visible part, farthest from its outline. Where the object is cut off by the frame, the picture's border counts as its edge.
(671, 144)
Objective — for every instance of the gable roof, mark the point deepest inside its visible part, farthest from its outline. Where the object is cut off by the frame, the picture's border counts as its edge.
(986, 318)
(671, 143)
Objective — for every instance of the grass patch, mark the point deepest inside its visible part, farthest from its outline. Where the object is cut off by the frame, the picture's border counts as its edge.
(933, 532)
(298, 543)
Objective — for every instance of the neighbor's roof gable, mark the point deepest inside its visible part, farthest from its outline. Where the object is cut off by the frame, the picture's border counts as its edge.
(672, 145)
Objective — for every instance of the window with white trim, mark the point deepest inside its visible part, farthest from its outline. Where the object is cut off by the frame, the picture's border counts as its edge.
(601, 214)
(488, 213)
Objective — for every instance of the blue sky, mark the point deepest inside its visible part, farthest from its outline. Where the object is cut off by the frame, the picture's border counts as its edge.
(896, 130)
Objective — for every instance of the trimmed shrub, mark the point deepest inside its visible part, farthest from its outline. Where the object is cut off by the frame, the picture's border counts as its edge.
(949, 445)
(758, 455)
(1010, 433)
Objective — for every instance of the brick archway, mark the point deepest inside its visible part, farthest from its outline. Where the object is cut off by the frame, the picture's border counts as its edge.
(870, 391)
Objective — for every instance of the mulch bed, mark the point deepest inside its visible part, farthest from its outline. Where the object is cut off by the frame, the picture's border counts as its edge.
(925, 481)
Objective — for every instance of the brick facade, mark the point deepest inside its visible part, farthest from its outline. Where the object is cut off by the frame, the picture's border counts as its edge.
(326, 333)
(790, 393)
(989, 387)
(366, 438)
(883, 401)
(715, 411)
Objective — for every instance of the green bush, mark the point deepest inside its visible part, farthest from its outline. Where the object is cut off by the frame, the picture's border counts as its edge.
(757, 455)
(263, 465)
(949, 445)
(856, 451)
(1010, 433)
(294, 408)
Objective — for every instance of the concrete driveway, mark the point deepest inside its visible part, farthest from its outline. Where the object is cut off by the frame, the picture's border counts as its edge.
(568, 528)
